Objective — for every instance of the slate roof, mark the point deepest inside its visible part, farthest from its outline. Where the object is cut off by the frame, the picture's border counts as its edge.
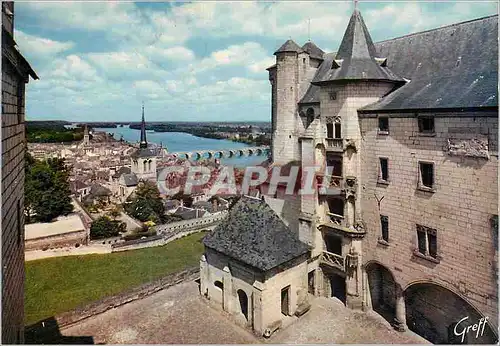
(447, 68)
(99, 190)
(130, 179)
(356, 58)
(289, 46)
(120, 171)
(78, 185)
(189, 213)
(255, 235)
(311, 95)
(204, 205)
(314, 51)
(143, 152)
(450, 67)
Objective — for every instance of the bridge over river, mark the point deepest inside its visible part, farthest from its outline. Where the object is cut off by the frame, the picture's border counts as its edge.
(220, 154)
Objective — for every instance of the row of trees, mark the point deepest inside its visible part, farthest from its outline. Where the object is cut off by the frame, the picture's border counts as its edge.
(52, 133)
(47, 191)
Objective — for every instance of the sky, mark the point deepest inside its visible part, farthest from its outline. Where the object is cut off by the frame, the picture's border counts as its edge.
(188, 61)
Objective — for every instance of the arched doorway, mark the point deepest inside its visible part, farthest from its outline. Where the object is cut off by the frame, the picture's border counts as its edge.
(382, 290)
(437, 314)
(219, 292)
(243, 299)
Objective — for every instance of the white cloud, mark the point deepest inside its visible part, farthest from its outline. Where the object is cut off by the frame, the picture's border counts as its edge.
(39, 46)
(73, 67)
(175, 54)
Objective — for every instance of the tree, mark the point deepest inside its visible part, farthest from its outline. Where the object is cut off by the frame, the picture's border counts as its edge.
(104, 227)
(146, 204)
(115, 212)
(187, 200)
(47, 191)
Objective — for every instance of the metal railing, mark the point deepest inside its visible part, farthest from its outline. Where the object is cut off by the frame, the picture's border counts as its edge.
(334, 260)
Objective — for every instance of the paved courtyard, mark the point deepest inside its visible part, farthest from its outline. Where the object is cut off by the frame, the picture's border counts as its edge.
(178, 315)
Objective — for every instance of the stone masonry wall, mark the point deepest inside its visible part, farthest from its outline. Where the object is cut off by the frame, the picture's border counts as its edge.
(285, 143)
(12, 205)
(465, 198)
(70, 239)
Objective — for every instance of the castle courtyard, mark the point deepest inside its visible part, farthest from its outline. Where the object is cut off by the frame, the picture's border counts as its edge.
(178, 315)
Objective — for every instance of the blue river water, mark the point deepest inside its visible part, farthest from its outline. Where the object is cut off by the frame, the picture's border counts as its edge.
(185, 142)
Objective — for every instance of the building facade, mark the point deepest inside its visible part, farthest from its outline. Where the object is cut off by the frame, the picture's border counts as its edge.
(403, 135)
(15, 74)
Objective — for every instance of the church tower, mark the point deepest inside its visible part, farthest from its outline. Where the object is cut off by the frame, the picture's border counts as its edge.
(143, 161)
(86, 135)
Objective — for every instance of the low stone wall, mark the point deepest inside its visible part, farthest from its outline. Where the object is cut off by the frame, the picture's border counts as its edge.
(189, 224)
(43, 333)
(172, 231)
(70, 239)
(156, 240)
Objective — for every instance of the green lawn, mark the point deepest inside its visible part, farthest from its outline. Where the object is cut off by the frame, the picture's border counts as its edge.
(61, 284)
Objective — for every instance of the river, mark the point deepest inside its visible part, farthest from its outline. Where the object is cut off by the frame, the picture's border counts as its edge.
(185, 142)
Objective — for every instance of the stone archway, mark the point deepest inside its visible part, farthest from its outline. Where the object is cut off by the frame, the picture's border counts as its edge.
(383, 290)
(438, 315)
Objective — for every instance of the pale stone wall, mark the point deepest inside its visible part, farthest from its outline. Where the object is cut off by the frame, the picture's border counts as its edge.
(285, 144)
(70, 239)
(465, 199)
(13, 147)
(263, 291)
(293, 276)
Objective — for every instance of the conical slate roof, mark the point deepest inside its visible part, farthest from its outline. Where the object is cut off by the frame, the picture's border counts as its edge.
(313, 50)
(356, 58)
(289, 46)
(255, 235)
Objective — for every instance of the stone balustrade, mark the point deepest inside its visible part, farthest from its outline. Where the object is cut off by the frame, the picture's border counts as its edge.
(333, 260)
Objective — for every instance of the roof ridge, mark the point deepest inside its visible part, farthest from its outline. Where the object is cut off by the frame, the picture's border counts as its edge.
(438, 28)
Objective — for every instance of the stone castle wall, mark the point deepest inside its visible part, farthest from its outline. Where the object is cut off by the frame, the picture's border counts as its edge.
(12, 204)
(460, 209)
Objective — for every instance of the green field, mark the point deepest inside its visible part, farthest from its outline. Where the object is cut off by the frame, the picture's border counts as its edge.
(60, 284)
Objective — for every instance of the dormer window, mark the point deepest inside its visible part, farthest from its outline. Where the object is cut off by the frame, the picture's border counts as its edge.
(333, 96)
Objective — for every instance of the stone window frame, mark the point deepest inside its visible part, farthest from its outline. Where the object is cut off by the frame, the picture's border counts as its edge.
(384, 221)
(430, 251)
(380, 179)
(420, 185)
(426, 132)
(385, 130)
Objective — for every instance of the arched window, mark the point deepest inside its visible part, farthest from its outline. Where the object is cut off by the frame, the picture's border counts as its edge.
(243, 299)
(149, 164)
(145, 166)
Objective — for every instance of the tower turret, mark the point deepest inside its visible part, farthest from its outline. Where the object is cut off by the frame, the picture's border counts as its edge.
(285, 141)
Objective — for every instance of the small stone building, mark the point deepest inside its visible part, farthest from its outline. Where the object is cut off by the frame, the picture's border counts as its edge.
(255, 268)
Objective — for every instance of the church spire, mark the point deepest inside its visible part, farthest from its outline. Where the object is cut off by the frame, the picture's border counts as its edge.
(144, 143)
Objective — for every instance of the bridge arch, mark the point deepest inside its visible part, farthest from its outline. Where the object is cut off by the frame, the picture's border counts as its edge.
(435, 311)
(250, 152)
(230, 153)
